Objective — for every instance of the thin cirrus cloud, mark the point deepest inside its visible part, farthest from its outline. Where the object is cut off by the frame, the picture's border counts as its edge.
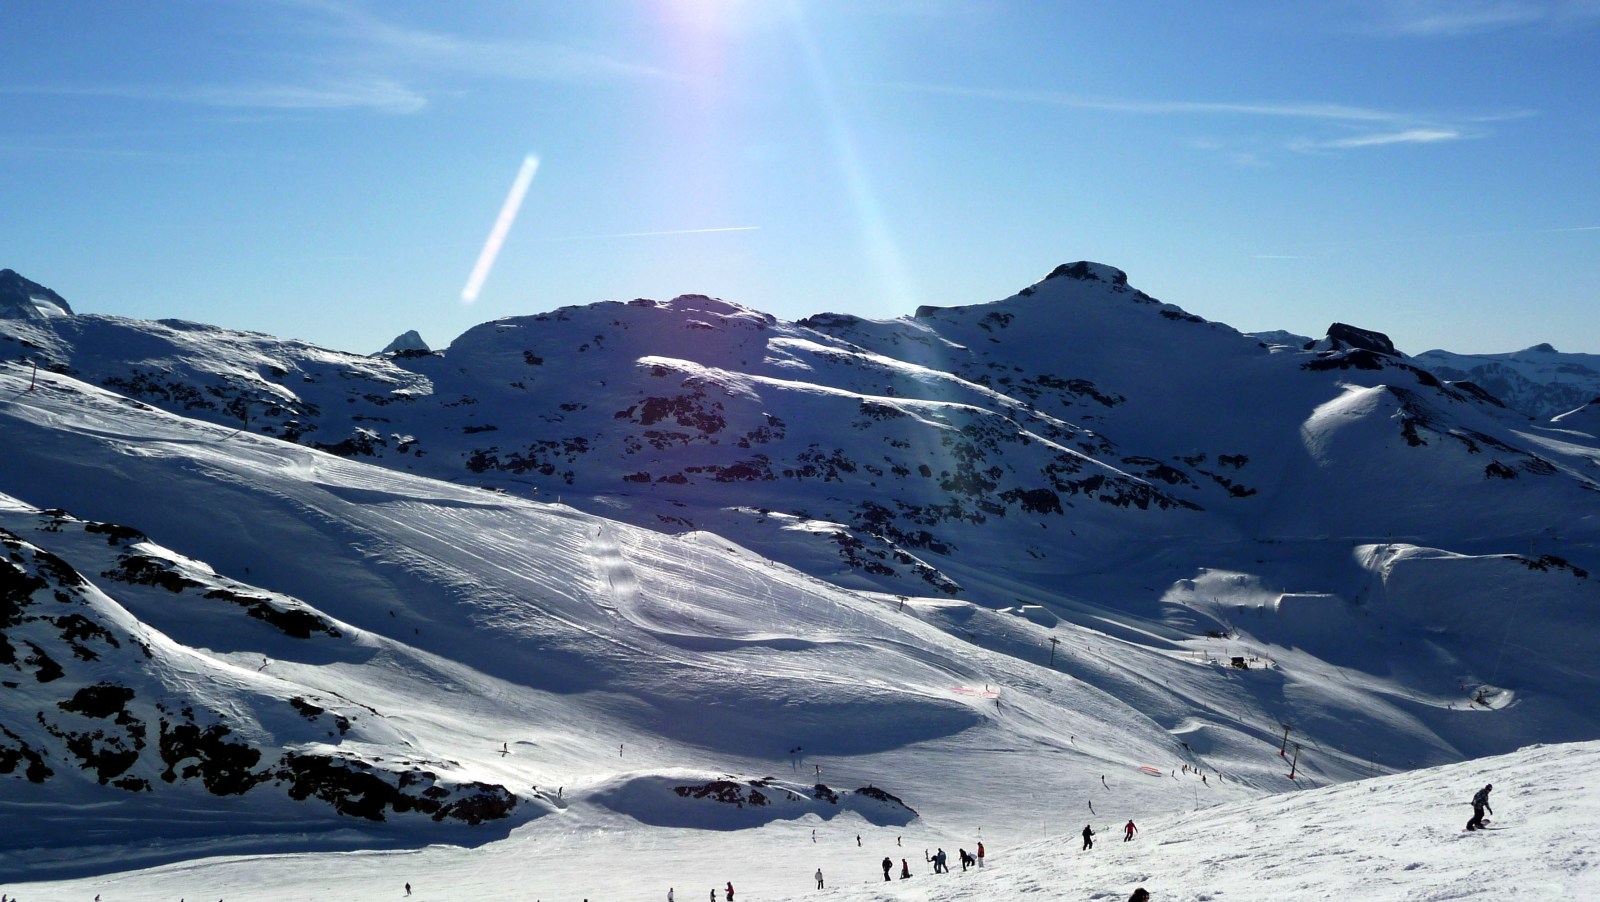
(363, 62)
(1457, 18)
(367, 39)
(1380, 127)
(1407, 136)
(374, 94)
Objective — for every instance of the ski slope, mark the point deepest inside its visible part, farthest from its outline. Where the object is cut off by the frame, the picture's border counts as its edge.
(1376, 840)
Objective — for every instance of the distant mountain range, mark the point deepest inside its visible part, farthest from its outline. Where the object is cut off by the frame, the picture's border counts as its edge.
(248, 567)
(1538, 381)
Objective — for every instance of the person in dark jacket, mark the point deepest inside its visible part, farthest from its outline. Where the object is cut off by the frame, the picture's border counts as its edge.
(1140, 895)
(1088, 837)
(888, 865)
(1480, 803)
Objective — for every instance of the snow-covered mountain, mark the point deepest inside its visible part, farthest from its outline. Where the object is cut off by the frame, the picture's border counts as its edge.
(22, 299)
(840, 566)
(1538, 381)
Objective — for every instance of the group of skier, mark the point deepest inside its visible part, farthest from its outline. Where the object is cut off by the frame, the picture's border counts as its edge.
(1088, 834)
(1480, 805)
(939, 860)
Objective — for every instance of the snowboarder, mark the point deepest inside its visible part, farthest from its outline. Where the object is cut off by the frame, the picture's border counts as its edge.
(1140, 895)
(888, 865)
(1480, 803)
(1088, 837)
(1128, 831)
(669, 894)
(980, 854)
(905, 870)
(819, 878)
(858, 840)
(408, 889)
(730, 891)
(966, 859)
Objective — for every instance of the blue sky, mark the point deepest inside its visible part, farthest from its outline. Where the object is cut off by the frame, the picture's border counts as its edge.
(331, 169)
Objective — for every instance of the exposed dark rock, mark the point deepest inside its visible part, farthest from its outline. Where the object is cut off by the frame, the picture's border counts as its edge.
(354, 788)
(296, 622)
(13, 751)
(99, 701)
(144, 570)
(725, 791)
(1343, 336)
(115, 535)
(1083, 270)
(225, 768)
(17, 296)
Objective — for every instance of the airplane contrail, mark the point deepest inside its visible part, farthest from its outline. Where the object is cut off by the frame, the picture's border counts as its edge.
(651, 234)
(502, 225)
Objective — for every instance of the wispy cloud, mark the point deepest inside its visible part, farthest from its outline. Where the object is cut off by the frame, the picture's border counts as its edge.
(1407, 136)
(380, 95)
(1455, 18)
(1376, 127)
(341, 55)
(371, 40)
(374, 94)
(1320, 111)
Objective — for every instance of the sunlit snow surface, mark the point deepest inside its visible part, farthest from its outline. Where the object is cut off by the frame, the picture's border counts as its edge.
(1379, 840)
(592, 666)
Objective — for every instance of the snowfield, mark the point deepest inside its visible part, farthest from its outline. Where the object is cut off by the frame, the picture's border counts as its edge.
(655, 595)
(1378, 840)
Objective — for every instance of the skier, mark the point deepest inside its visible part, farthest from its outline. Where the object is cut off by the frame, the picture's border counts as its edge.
(1140, 895)
(1480, 802)
(408, 889)
(1128, 831)
(819, 878)
(887, 866)
(1088, 837)
(980, 853)
(941, 862)
(905, 870)
(965, 857)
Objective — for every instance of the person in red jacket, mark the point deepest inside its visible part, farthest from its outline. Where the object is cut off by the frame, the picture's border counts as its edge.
(905, 869)
(1128, 831)
(980, 854)
(730, 891)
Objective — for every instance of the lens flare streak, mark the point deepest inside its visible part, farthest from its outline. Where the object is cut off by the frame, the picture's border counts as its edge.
(502, 226)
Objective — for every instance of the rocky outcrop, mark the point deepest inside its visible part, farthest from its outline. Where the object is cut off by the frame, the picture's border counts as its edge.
(21, 298)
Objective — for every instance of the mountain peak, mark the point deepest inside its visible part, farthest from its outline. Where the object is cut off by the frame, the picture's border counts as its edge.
(406, 341)
(1341, 336)
(22, 298)
(1087, 271)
